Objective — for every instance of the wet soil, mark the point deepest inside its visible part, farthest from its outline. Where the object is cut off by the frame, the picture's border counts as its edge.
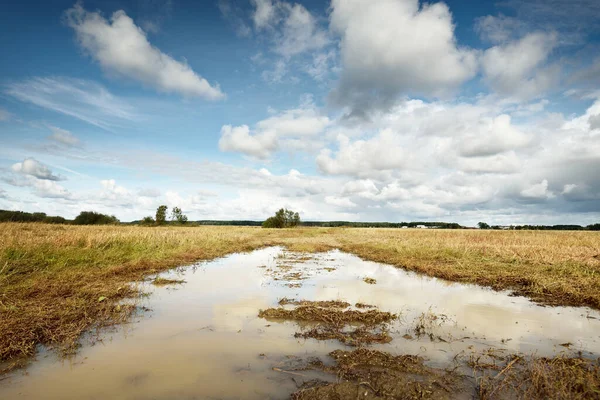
(371, 374)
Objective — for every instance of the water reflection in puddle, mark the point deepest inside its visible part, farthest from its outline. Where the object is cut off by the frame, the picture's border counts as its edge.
(203, 339)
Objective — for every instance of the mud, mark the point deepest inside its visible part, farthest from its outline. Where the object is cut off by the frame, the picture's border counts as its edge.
(371, 374)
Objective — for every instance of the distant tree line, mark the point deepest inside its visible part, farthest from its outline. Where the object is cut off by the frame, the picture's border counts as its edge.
(440, 225)
(593, 227)
(84, 218)
(21, 216)
(228, 223)
(285, 219)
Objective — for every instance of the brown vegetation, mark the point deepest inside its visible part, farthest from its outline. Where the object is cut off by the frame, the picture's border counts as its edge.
(510, 376)
(331, 316)
(52, 277)
(322, 304)
(165, 281)
(351, 337)
(350, 327)
(370, 374)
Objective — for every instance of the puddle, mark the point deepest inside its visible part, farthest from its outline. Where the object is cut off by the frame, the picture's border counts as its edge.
(203, 339)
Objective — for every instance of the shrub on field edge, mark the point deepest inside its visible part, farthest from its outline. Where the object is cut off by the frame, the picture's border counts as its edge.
(283, 218)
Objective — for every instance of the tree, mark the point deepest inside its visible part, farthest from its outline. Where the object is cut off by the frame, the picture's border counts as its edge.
(161, 215)
(94, 218)
(483, 225)
(594, 227)
(178, 216)
(148, 221)
(283, 218)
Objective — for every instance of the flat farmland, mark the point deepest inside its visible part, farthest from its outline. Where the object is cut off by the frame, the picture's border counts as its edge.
(58, 282)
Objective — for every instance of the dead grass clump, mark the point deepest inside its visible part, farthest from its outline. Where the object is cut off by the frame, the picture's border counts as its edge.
(363, 305)
(293, 276)
(331, 316)
(370, 281)
(166, 281)
(354, 337)
(542, 378)
(321, 304)
(370, 374)
(335, 322)
(429, 324)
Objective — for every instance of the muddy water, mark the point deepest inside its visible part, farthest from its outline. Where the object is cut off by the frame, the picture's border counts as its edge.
(203, 339)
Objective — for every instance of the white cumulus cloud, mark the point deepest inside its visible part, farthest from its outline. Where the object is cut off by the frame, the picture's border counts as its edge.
(239, 139)
(121, 47)
(32, 167)
(363, 157)
(538, 191)
(517, 68)
(391, 48)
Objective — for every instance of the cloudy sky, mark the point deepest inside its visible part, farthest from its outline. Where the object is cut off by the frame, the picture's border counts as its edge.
(382, 110)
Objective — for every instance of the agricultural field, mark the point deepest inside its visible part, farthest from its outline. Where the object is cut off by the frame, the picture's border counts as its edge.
(64, 288)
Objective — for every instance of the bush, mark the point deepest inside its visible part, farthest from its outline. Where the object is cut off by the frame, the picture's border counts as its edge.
(283, 218)
(94, 218)
(148, 221)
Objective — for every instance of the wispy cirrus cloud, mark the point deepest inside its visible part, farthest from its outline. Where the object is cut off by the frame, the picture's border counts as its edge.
(63, 137)
(82, 99)
(4, 115)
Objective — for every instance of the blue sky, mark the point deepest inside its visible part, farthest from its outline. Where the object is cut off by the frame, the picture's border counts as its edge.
(388, 110)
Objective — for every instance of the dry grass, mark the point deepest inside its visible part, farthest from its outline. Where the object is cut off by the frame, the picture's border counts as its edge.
(557, 268)
(538, 378)
(371, 374)
(335, 321)
(52, 277)
(58, 281)
(331, 316)
(355, 337)
(165, 281)
(322, 304)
